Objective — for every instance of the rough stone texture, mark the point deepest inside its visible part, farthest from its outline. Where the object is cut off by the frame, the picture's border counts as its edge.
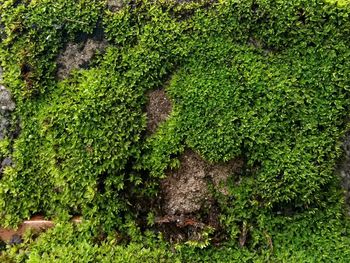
(219, 173)
(6, 101)
(344, 170)
(158, 109)
(7, 105)
(78, 55)
(114, 5)
(186, 190)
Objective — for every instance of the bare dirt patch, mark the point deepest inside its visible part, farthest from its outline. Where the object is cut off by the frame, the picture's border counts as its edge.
(158, 109)
(188, 206)
(78, 55)
(186, 190)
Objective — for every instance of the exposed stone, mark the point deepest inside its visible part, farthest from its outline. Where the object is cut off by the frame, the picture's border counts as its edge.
(5, 163)
(6, 102)
(158, 109)
(7, 105)
(186, 190)
(78, 55)
(115, 5)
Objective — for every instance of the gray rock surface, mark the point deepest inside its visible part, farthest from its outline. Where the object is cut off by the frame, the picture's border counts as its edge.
(7, 106)
(78, 55)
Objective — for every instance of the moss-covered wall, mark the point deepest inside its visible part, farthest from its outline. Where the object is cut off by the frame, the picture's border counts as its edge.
(263, 81)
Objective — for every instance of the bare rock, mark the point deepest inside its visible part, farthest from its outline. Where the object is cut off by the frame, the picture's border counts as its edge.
(7, 105)
(115, 5)
(6, 102)
(186, 190)
(78, 55)
(158, 109)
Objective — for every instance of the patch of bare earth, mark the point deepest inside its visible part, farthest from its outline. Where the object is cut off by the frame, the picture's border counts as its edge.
(185, 190)
(78, 55)
(188, 203)
(158, 109)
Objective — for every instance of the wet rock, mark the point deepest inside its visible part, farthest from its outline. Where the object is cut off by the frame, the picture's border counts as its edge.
(158, 109)
(78, 55)
(186, 190)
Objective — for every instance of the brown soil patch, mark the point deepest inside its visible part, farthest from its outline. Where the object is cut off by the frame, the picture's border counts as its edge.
(188, 206)
(186, 190)
(78, 55)
(158, 109)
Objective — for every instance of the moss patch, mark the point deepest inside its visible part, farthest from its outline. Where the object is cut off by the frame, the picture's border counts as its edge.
(249, 81)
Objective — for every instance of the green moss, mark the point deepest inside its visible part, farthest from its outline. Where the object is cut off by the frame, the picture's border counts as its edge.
(264, 81)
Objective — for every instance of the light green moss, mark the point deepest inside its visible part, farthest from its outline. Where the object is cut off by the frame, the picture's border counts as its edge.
(262, 80)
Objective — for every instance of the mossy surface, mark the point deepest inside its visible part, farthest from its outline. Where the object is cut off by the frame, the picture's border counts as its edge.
(264, 81)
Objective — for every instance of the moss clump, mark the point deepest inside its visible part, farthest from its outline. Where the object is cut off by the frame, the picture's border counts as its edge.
(247, 80)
